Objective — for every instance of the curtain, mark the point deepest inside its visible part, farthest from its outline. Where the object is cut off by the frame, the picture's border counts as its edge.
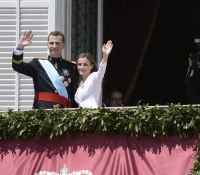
(84, 15)
(100, 154)
(129, 24)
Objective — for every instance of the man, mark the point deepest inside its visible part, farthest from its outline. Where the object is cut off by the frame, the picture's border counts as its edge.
(192, 80)
(55, 79)
(114, 97)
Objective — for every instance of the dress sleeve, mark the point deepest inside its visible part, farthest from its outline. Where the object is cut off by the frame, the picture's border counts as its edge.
(100, 73)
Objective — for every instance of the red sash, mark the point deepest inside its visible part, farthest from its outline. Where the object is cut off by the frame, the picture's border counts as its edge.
(52, 97)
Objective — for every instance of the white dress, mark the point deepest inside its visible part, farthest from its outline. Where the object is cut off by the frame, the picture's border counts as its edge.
(87, 95)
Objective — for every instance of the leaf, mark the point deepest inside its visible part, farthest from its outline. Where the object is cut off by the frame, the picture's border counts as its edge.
(136, 127)
(102, 122)
(51, 136)
(21, 132)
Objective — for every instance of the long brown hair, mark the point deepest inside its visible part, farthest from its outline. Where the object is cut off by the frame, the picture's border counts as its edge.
(90, 59)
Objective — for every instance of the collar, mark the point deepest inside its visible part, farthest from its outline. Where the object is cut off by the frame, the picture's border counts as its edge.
(50, 58)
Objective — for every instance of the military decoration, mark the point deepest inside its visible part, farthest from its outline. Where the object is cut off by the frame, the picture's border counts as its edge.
(62, 78)
(65, 72)
(66, 83)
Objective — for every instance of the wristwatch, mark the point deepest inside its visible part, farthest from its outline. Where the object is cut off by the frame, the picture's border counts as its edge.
(19, 48)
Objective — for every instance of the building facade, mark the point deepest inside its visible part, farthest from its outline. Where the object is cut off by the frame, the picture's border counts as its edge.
(42, 17)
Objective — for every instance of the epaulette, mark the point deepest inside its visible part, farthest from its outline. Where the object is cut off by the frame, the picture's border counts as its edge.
(73, 62)
(41, 58)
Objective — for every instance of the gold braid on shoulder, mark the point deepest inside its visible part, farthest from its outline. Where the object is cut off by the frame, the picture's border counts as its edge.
(41, 58)
(70, 61)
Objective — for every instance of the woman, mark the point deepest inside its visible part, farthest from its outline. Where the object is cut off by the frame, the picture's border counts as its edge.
(88, 93)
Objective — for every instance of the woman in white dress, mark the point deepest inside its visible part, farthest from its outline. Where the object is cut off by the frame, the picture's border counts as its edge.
(88, 92)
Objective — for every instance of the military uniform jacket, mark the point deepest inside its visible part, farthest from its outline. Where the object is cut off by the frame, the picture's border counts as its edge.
(42, 83)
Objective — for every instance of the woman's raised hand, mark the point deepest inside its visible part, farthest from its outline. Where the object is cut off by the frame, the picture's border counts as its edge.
(106, 49)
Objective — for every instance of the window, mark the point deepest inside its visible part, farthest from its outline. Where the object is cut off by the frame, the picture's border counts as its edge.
(16, 90)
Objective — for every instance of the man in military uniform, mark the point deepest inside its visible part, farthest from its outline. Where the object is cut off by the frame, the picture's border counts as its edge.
(55, 79)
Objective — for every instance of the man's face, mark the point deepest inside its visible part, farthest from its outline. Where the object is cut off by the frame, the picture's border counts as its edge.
(115, 100)
(55, 46)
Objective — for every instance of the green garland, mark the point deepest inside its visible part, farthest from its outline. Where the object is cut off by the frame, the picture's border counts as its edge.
(159, 121)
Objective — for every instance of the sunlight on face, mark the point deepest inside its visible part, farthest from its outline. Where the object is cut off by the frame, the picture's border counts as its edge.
(84, 67)
(55, 46)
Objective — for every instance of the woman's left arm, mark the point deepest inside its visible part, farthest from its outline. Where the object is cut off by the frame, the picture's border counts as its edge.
(106, 49)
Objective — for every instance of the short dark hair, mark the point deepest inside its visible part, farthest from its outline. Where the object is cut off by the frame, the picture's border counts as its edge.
(57, 33)
(113, 89)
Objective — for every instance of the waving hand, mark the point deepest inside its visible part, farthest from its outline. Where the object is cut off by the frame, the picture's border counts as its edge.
(106, 49)
(26, 39)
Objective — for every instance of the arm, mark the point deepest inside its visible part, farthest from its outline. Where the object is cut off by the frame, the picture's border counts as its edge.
(191, 66)
(74, 86)
(106, 49)
(17, 58)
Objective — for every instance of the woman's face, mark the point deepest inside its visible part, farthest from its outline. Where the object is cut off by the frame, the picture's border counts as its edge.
(84, 67)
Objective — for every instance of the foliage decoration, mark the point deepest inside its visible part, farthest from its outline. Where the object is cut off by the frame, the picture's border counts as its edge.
(174, 119)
